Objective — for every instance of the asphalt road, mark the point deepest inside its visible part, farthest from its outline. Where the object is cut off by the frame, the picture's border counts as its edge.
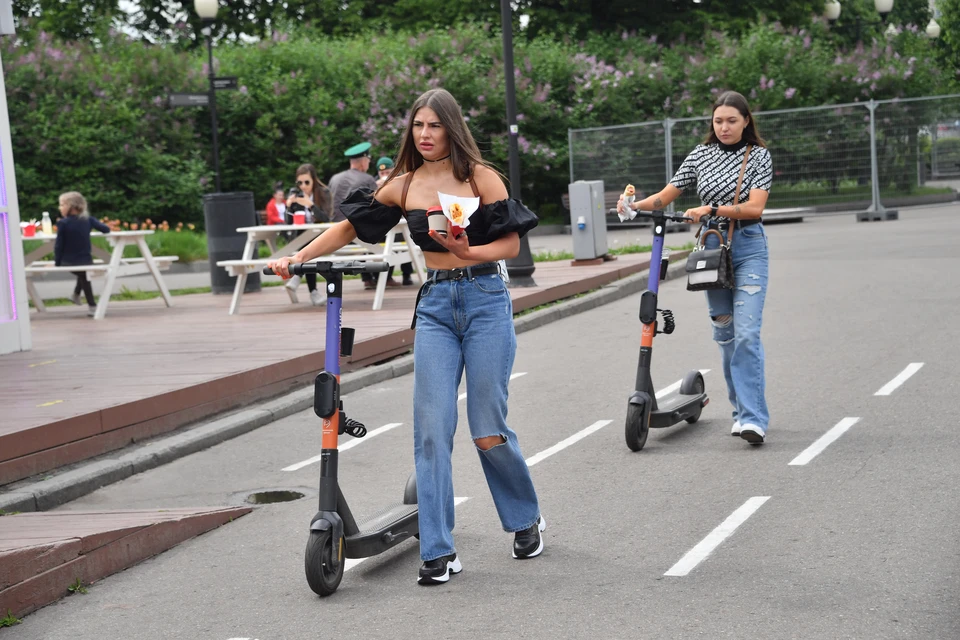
(700, 535)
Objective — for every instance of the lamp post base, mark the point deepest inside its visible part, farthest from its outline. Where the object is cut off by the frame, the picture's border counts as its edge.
(877, 214)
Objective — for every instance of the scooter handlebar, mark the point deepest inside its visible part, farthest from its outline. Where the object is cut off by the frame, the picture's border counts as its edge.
(669, 216)
(325, 268)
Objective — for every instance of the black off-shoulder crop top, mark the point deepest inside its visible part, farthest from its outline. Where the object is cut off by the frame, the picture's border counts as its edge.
(372, 220)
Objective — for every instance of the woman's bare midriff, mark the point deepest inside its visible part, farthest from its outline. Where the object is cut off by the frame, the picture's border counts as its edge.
(438, 260)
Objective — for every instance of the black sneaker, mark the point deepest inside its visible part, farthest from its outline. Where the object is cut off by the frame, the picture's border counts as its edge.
(529, 543)
(439, 571)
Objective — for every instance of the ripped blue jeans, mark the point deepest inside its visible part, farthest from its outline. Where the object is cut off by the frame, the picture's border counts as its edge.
(465, 325)
(737, 315)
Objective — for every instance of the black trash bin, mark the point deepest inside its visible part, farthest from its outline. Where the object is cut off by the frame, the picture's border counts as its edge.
(223, 214)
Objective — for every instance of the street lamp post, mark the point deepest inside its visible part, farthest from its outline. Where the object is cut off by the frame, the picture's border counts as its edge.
(207, 10)
(832, 8)
(520, 268)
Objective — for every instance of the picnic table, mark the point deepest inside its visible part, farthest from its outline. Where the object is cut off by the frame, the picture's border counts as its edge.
(112, 264)
(390, 252)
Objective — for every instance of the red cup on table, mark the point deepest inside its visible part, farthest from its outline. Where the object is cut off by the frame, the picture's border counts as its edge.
(300, 218)
(29, 231)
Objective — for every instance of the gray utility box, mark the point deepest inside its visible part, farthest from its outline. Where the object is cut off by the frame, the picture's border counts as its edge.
(588, 220)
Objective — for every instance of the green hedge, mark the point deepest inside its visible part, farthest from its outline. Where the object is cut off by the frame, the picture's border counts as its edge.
(94, 118)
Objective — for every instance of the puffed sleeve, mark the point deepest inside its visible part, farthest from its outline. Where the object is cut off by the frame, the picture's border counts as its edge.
(499, 218)
(686, 175)
(370, 218)
(763, 170)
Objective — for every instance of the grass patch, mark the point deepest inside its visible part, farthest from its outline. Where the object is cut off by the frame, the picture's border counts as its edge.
(8, 513)
(186, 245)
(553, 256)
(9, 620)
(77, 587)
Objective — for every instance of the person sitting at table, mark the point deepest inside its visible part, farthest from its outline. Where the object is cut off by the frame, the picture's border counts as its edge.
(277, 206)
(313, 198)
(72, 247)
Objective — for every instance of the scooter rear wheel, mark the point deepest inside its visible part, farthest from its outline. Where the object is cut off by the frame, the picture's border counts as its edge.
(637, 426)
(319, 560)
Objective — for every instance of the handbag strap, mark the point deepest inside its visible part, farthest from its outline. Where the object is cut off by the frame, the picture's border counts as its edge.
(736, 195)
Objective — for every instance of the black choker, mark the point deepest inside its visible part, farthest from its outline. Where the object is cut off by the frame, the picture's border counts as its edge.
(736, 146)
(437, 160)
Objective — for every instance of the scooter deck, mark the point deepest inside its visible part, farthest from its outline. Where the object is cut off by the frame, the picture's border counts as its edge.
(675, 408)
(384, 529)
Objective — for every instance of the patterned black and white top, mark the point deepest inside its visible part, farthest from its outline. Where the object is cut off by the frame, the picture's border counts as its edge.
(715, 168)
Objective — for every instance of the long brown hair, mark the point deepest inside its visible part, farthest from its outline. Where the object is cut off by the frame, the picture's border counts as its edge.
(738, 102)
(464, 153)
(321, 192)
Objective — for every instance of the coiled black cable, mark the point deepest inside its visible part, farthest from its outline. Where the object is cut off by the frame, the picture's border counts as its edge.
(352, 427)
(669, 324)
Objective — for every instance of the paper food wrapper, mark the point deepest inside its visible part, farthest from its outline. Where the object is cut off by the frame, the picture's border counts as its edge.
(458, 209)
(629, 195)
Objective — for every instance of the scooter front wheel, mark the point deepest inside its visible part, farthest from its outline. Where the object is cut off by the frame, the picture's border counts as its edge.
(637, 426)
(322, 555)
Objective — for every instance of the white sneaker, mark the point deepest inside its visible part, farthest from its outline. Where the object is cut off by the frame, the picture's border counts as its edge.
(316, 298)
(752, 434)
(75, 299)
(735, 431)
(293, 283)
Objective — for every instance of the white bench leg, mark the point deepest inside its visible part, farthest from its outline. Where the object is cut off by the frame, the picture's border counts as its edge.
(237, 292)
(35, 296)
(152, 266)
(381, 287)
(416, 258)
(115, 258)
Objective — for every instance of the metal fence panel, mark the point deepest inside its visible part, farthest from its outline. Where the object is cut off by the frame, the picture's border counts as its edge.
(620, 156)
(821, 155)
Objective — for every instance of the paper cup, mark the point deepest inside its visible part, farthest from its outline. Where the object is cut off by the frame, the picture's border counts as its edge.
(299, 218)
(29, 231)
(437, 221)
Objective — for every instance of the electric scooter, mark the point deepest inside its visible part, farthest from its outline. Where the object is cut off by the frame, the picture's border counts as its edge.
(334, 533)
(645, 411)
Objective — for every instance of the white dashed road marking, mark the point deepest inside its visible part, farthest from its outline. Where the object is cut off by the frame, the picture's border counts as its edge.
(700, 552)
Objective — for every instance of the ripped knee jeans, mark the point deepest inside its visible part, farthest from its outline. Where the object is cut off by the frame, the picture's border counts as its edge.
(466, 327)
(737, 315)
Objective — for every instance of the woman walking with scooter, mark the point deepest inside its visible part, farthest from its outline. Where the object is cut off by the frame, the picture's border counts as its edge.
(732, 172)
(463, 320)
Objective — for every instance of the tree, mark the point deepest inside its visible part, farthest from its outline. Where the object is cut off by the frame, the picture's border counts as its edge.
(67, 20)
(668, 20)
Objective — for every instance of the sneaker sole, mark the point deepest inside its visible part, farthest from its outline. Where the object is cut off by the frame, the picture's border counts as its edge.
(752, 437)
(539, 549)
(452, 568)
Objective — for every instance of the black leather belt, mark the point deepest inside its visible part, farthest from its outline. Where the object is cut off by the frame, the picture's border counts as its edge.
(469, 273)
(740, 224)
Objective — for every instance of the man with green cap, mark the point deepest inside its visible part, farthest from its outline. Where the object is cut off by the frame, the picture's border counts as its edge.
(384, 167)
(346, 182)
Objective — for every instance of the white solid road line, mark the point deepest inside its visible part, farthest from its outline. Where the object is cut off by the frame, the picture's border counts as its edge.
(902, 377)
(563, 444)
(515, 375)
(700, 552)
(346, 446)
(352, 562)
(676, 385)
(823, 442)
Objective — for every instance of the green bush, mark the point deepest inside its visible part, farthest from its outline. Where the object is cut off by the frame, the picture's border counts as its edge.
(94, 118)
